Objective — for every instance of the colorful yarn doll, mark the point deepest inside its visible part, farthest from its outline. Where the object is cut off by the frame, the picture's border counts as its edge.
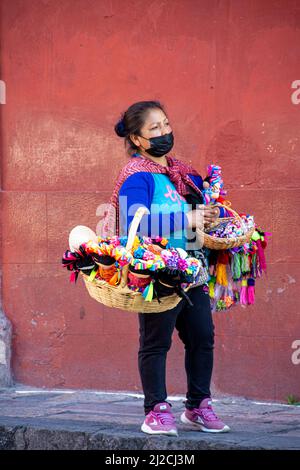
(142, 268)
(165, 283)
(139, 280)
(109, 257)
(177, 273)
(76, 261)
(213, 185)
(107, 268)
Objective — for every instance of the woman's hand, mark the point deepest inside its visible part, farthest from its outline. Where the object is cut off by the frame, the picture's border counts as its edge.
(211, 214)
(203, 215)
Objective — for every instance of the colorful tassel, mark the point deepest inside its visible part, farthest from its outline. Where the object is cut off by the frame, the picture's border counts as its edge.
(253, 271)
(236, 266)
(211, 286)
(221, 275)
(245, 267)
(261, 256)
(74, 276)
(115, 279)
(221, 271)
(148, 292)
(243, 293)
(93, 274)
(251, 291)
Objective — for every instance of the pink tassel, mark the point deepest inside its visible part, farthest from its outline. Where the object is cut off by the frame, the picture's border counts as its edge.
(73, 276)
(261, 256)
(243, 293)
(264, 242)
(251, 290)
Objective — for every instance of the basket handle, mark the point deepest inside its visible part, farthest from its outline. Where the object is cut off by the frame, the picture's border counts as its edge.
(229, 209)
(131, 236)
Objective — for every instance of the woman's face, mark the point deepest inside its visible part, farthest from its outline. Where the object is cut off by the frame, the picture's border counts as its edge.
(155, 125)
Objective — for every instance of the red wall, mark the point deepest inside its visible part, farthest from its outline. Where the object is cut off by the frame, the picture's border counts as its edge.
(224, 70)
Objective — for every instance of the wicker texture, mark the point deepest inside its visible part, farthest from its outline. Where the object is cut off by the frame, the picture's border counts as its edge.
(216, 243)
(121, 296)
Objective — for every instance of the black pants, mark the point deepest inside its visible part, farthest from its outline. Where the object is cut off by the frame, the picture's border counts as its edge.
(196, 330)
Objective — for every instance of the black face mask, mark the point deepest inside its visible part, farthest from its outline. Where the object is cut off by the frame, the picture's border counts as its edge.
(160, 145)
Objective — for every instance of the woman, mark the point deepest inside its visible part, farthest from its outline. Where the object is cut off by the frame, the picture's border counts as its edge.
(164, 184)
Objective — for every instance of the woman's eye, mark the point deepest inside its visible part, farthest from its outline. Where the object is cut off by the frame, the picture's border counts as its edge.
(153, 128)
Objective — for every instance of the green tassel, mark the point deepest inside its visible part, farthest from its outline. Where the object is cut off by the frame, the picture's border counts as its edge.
(254, 264)
(211, 286)
(236, 266)
(245, 264)
(148, 292)
(255, 236)
(93, 274)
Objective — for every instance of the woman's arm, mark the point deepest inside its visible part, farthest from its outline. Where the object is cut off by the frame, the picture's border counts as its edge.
(136, 191)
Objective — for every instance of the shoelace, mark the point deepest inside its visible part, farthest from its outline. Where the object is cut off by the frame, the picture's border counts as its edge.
(208, 413)
(164, 418)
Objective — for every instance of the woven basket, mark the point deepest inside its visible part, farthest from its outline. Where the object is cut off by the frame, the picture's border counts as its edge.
(216, 243)
(121, 296)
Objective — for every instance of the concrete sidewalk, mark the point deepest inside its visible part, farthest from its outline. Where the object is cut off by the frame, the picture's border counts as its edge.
(60, 419)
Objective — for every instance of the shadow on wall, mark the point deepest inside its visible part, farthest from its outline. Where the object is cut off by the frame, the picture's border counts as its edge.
(232, 148)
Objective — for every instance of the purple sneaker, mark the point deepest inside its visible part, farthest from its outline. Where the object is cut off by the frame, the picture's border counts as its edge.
(160, 421)
(204, 418)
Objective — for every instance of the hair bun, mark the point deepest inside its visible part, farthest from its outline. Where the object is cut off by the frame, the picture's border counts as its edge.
(120, 128)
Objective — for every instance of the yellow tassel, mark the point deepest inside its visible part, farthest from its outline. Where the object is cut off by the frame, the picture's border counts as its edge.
(211, 290)
(221, 274)
(211, 286)
(93, 274)
(114, 280)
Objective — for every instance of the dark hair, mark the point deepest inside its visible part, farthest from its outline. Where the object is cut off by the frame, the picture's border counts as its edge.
(132, 121)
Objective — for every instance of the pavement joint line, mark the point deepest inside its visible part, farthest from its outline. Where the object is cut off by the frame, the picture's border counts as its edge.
(140, 395)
